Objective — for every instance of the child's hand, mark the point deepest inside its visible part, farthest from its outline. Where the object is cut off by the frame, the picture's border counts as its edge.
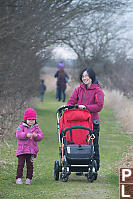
(35, 135)
(29, 135)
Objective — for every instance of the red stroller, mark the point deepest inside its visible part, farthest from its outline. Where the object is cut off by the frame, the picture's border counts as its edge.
(76, 147)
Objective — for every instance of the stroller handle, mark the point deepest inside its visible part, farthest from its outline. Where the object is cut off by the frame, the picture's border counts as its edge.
(78, 127)
(66, 107)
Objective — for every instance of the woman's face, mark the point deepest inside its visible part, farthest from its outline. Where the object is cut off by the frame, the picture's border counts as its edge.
(86, 79)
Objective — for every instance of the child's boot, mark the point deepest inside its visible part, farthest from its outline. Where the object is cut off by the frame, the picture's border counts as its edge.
(28, 181)
(19, 181)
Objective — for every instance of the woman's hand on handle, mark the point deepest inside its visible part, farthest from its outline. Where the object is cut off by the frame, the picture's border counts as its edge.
(82, 106)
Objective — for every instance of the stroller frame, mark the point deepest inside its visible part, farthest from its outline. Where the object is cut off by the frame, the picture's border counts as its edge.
(75, 158)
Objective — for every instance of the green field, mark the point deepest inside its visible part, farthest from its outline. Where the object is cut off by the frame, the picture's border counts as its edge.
(113, 142)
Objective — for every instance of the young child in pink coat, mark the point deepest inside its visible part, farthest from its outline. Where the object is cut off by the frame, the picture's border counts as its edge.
(28, 134)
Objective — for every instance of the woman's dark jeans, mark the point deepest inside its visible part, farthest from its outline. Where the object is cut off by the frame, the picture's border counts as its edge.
(96, 148)
(96, 129)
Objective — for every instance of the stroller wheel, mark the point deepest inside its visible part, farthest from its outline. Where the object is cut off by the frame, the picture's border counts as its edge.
(90, 178)
(56, 170)
(63, 177)
(94, 170)
(95, 165)
(95, 176)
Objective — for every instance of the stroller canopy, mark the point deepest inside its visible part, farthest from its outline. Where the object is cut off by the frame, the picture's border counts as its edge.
(76, 117)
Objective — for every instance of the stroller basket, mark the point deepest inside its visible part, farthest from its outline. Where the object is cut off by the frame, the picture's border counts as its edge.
(79, 154)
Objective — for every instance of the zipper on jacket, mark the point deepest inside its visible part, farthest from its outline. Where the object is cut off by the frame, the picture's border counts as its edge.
(84, 97)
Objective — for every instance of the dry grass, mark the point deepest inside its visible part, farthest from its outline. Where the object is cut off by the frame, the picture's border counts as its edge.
(122, 107)
(127, 159)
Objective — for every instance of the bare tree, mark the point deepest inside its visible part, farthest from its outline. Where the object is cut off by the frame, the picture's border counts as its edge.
(27, 28)
(95, 36)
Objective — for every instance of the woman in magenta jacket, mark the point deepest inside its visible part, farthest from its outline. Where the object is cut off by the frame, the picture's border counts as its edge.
(89, 95)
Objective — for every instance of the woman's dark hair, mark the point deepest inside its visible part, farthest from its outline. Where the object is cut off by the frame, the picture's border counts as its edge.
(90, 72)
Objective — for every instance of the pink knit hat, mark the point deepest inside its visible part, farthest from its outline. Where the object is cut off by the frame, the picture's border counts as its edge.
(30, 114)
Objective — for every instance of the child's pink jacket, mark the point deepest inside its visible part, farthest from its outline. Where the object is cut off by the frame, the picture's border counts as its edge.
(26, 145)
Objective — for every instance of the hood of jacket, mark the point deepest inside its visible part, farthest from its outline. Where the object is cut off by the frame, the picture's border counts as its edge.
(92, 87)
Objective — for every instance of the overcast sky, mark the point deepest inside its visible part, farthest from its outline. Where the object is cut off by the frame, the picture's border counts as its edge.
(128, 26)
(63, 53)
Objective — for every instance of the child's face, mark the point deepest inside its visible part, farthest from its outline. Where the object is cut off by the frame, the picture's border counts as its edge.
(30, 122)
